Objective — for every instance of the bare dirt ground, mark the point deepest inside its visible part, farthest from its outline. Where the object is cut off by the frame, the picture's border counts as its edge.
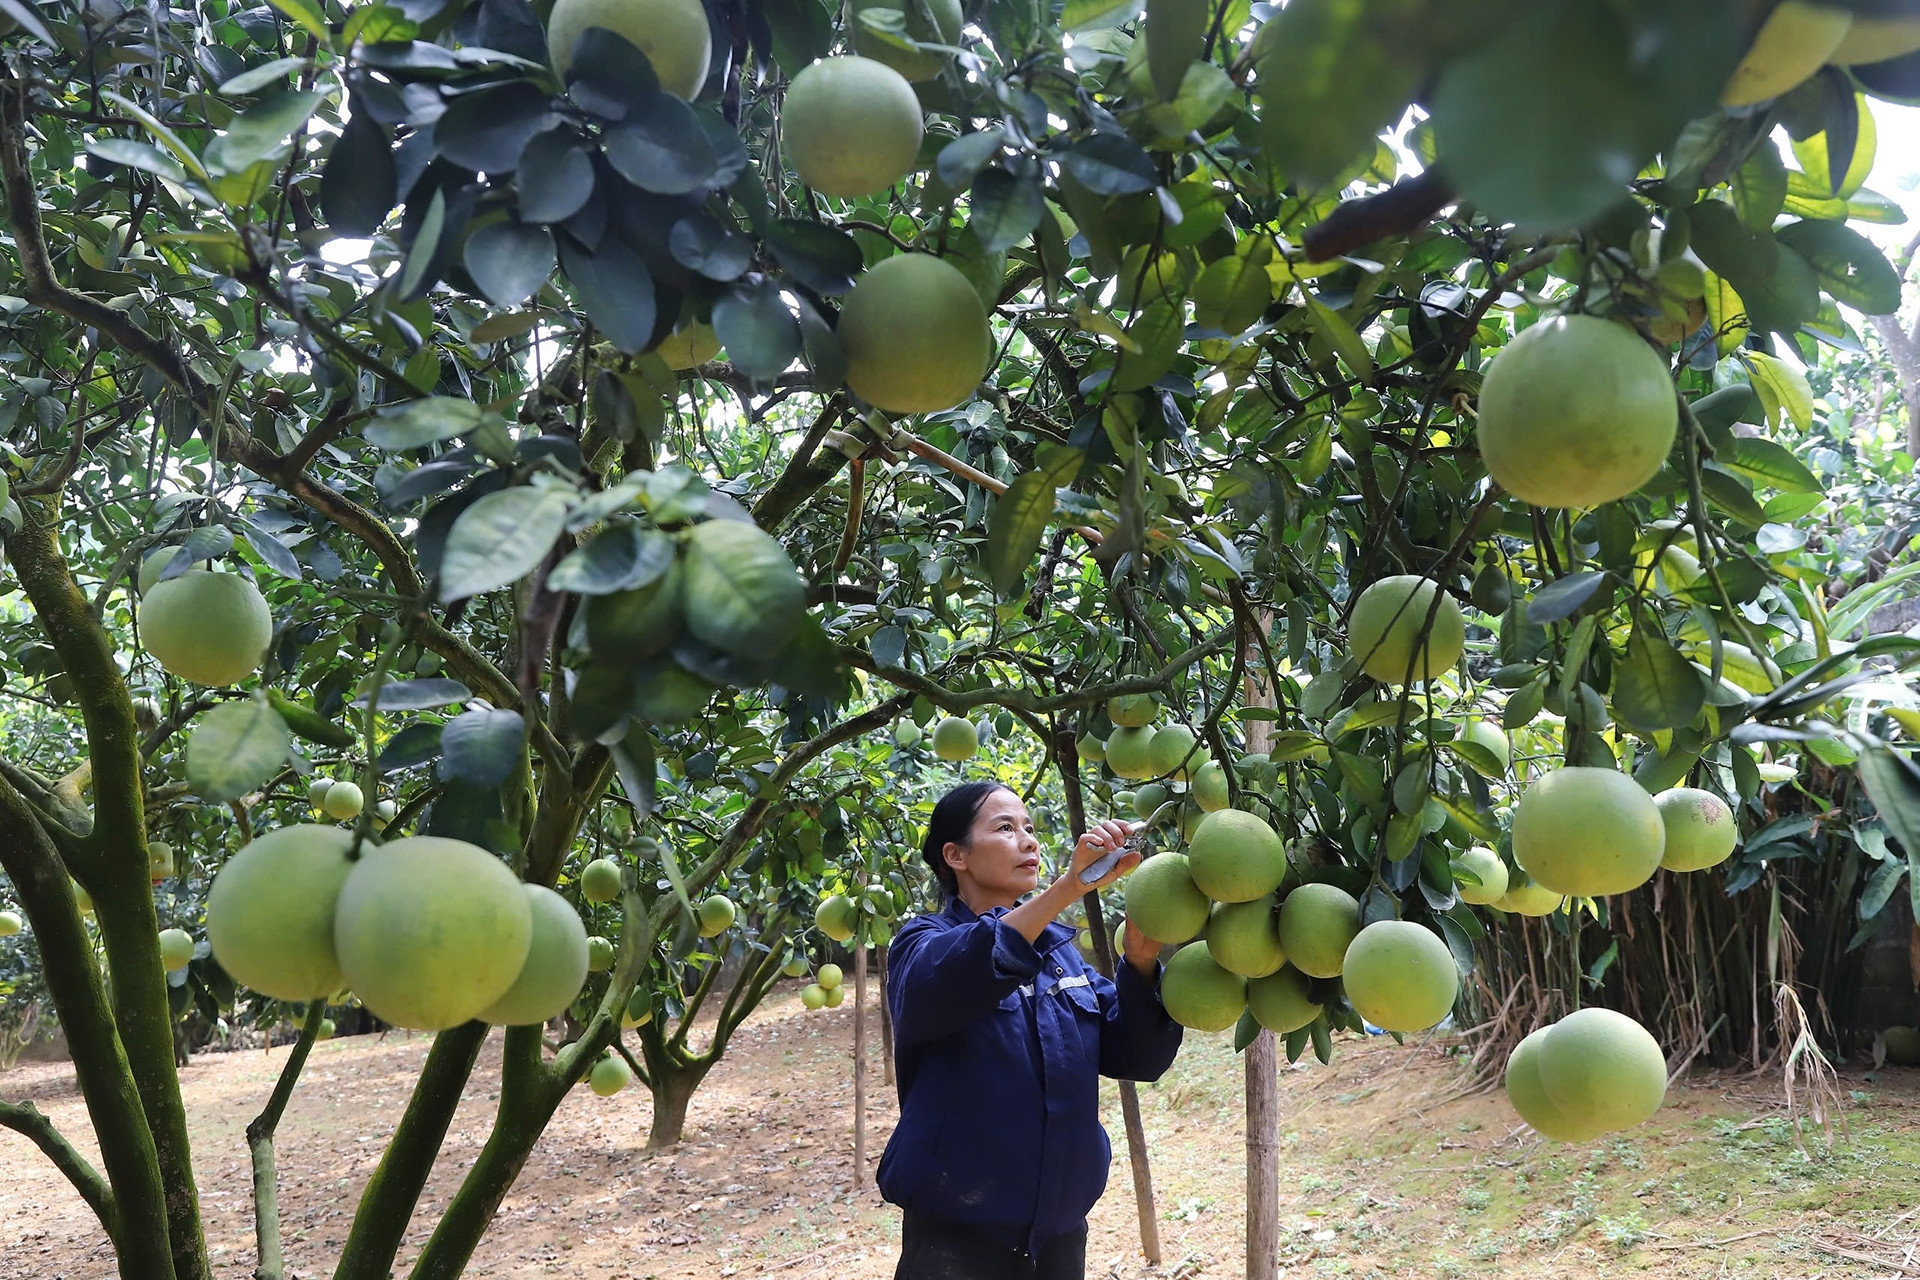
(1380, 1175)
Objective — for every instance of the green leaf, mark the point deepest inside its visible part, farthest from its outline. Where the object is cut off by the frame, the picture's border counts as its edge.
(416, 274)
(1760, 188)
(1781, 387)
(1245, 1032)
(260, 77)
(743, 594)
(417, 695)
(1726, 492)
(758, 329)
(1654, 687)
(482, 747)
(1019, 521)
(1848, 266)
(1233, 291)
(234, 748)
(501, 539)
(509, 260)
(138, 155)
(1176, 33)
(168, 138)
(258, 132)
(359, 185)
(308, 17)
(424, 422)
(1768, 462)
(1005, 207)
(1329, 84)
(1083, 15)
(615, 289)
(1893, 784)
(1156, 335)
(1341, 337)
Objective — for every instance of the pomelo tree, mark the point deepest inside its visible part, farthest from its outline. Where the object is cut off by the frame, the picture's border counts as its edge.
(616, 457)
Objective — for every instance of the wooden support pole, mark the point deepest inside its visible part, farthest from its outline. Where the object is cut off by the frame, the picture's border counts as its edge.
(859, 1065)
(1263, 1057)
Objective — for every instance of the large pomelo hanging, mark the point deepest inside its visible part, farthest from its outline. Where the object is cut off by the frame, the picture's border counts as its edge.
(210, 628)
(915, 335)
(672, 33)
(1603, 1070)
(1588, 832)
(555, 967)
(270, 911)
(851, 126)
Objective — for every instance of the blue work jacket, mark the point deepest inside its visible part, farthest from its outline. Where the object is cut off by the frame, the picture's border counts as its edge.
(999, 1044)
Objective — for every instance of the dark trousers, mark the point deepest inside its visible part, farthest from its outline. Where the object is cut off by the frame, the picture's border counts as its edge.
(934, 1250)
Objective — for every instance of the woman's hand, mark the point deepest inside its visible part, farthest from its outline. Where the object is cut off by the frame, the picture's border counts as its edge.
(1100, 840)
(1140, 951)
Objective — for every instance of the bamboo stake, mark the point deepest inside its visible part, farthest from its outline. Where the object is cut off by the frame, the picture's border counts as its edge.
(1263, 1064)
(859, 1065)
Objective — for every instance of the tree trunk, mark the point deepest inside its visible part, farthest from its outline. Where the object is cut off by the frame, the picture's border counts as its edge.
(886, 1019)
(1263, 1065)
(672, 1090)
(1903, 349)
(1144, 1210)
(859, 1064)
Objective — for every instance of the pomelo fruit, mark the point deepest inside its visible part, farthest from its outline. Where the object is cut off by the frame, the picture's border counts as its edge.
(795, 967)
(829, 976)
(325, 1030)
(344, 801)
(1091, 749)
(1148, 799)
(1130, 752)
(317, 792)
(600, 880)
(1174, 750)
(1162, 900)
(1876, 40)
(1191, 816)
(1588, 832)
(835, 995)
(383, 814)
(176, 949)
(907, 733)
(1282, 1002)
(609, 1076)
(600, 954)
(1123, 801)
(1603, 1070)
(431, 931)
(1209, 787)
(555, 967)
(813, 996)
(955, 738)
(851, 126)
(672, 33)
(920, 64)
(1529, 1096)
(1317, 924)
(10, 923)
(1133, 710)
(1492, 739)
(1244, 937)
(1492, 873)
(716, 916)
(82, 898)
(1794, 42)
(915, 335)
(836, 916)
(1575, 412)
(210, 628)
(1530, 899)
(1200, 994)
(690, 347)
(1236, 856)
(270, 912)
(152, 565)
(1400, 976)
(639, 1010)
(1701, 832)
(159, 860)
(1385, 630)
(1902, 1045)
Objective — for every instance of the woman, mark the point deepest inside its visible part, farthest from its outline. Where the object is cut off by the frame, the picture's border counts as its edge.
(1001, 1031)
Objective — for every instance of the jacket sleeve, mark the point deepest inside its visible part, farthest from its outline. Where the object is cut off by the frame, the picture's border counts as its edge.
(939, 980)
(1138, 1040)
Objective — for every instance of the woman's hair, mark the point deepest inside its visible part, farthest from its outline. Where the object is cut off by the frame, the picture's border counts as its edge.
(952, 823)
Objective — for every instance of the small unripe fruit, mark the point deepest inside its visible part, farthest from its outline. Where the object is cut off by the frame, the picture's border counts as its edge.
(176, 949)
(343, 802)
(599, 954)
(609, 1076)
(600, 880)
(813, 996)
(834, 996)
(716, 916)
(829, 976)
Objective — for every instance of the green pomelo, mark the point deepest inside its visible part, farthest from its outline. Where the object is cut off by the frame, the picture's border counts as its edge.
(1790, 47)
(743, 594)
(600, 880)
(851, 127)
(210, 628)
(915, 335)
(609, 1076)
(1575, 412)
(1173, 751)
(716, 916)
(325, 1029)
(1130, 753)
(1400, 976)
(152, 565)
(1162, 900)
(1200, 994)
(10, 923)
(813, 996)
(1529, 1096)
(555, 967)
(1493, 739)
(1282, 1002)
(1123, 801)
(317, 792)
(344, 801)
(431, 931)
(1876, 40)
(1588, 832)
(834, 996)
(836, 916)
(1237, 857)
(1387, 625)
(600, 954)
(1603, 1070)
(690, 347)
(270, 912)
(955, 739)
(1191, 816)
(1133, 710)
(1244, 937)
(1209, 787)
(1701, 832)
(1530, 899)
(1492, 873)
(176, 949)
(795, 967)
(829, 976)
(639, 1010)
(1148, 799)
(1902, 1045)
(1091, 749)
(672, 33)
(1317, 924)
(907, 733)
(919, 64)
(159, 860)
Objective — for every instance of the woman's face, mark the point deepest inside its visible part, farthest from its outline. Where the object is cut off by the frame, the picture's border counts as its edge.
(1000, 862)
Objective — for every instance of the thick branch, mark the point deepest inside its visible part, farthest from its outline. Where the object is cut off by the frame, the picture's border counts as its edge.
(25, 1118)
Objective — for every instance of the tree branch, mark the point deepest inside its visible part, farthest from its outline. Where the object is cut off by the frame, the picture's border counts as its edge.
(24, 1118)
(270, 1265)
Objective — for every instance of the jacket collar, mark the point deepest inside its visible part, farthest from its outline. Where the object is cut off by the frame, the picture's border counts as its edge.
(1054, 935)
